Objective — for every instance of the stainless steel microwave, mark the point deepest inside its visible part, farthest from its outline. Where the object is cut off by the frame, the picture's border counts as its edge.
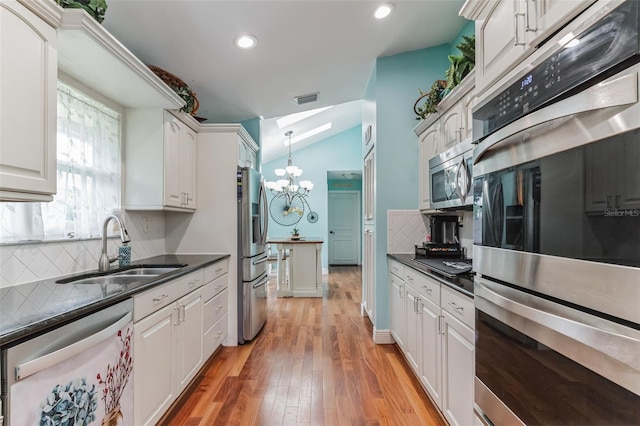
(450, 177)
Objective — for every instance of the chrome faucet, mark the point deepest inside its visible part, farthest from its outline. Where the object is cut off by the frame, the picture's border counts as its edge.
(105, 261)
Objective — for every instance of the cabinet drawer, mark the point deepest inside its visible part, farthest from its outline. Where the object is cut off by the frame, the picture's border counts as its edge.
(159, 297)
(427, 287)
(458, 305)
(215, 335)
(214, 287)
(215, 308)
(212, 272)
(396, 268)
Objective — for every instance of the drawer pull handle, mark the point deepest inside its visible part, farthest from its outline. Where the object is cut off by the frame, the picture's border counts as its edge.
(456, 307)
(427, 289)
(218, 270)
(194, 282)
(161, 298)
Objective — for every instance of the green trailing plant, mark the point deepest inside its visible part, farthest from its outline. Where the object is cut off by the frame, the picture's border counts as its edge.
(461, 65)
(95, 8)
(427, 103)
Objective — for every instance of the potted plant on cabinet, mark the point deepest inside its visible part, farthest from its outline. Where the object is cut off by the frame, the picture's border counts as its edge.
(295, 234)
(460, 66)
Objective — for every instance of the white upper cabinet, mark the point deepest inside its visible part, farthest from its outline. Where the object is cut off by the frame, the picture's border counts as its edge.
(509, 30)
(160, 160)
(28, 79)
(247, 152)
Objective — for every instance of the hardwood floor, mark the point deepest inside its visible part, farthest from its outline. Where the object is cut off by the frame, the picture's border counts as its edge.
(314, 363)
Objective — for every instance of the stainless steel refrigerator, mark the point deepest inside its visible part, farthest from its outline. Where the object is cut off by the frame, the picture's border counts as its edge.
(253, 222)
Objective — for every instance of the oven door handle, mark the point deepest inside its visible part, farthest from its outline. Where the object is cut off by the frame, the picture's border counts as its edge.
(608, 94)
(610, 349)
(29, 368)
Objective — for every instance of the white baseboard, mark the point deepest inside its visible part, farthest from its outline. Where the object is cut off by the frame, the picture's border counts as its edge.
(382, 337)
(325, 271)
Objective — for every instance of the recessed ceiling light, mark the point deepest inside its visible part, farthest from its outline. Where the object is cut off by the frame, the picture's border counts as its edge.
(245, 41)
(383, 11)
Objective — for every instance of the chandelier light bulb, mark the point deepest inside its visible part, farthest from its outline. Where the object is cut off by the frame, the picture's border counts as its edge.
(280, 172)
(282, 183)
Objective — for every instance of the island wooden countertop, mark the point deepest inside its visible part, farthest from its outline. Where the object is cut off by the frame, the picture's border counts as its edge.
(288, 240)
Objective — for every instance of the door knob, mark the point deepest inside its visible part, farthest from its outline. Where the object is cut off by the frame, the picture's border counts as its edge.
(331, 232)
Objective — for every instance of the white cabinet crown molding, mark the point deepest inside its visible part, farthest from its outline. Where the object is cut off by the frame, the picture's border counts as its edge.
(93, 56)
(475, 10)
(230, 128)
(48, 11)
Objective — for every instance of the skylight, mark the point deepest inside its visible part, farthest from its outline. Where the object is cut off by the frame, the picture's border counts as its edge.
(308, 134)
(288, 120)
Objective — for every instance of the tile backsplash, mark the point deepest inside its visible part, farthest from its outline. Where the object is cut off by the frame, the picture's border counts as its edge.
(23, 263)
(405, 229)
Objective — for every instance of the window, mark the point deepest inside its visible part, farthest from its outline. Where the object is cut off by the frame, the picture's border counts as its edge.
(88, 178)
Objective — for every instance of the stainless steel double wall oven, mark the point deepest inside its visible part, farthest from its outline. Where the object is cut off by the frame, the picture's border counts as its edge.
(557, 229)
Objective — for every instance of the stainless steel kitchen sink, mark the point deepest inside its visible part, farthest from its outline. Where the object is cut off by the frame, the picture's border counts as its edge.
(146, 271)
(119, 276)
(111, 279)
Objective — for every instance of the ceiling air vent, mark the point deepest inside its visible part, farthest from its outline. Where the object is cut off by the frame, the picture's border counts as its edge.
(305, 99)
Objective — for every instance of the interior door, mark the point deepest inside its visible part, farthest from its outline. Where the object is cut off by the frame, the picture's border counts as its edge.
(344, 227)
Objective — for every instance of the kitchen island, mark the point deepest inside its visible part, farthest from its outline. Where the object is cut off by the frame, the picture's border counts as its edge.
(299, 266)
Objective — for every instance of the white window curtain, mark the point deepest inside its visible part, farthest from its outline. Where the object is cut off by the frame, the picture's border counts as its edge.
(88, 156)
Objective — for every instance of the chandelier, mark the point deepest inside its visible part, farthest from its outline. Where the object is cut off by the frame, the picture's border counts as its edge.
(289, 195)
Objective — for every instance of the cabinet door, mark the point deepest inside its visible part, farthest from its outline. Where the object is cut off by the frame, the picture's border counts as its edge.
(413, 329)
(28, 70)
(428, 149)
(458, 371)
(188, 167)
(369, 186)
(431, 351)
(466, 116)
(451, 127)
(154, 378)
(173, 159)
(499, 42)
(368, 273)
(396, 308)
(546, 16)
(189, 338)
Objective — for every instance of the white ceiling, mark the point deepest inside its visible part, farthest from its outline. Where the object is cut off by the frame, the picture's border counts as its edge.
(304, 46)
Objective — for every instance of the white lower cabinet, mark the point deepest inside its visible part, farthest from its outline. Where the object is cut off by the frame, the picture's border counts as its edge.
(397, 304)
(188, 338)
(177, 327)
(434, 328)
(154, 387)
(431, 351)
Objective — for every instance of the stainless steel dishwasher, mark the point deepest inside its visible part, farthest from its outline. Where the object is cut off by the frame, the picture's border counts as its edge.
(75, 374)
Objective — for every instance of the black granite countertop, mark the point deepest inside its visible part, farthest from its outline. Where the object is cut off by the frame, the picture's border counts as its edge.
(32, 308)
(463, 285)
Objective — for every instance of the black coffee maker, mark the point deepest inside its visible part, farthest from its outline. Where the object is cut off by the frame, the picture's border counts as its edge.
(445, 241)
(444, 229)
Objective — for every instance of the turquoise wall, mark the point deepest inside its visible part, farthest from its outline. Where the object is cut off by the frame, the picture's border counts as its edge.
(397, 79)
(468, 29)
(340, 152)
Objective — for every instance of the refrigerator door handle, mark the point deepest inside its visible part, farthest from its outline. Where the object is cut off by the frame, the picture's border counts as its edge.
(261, 260)
(261, 283)
(265, 213)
